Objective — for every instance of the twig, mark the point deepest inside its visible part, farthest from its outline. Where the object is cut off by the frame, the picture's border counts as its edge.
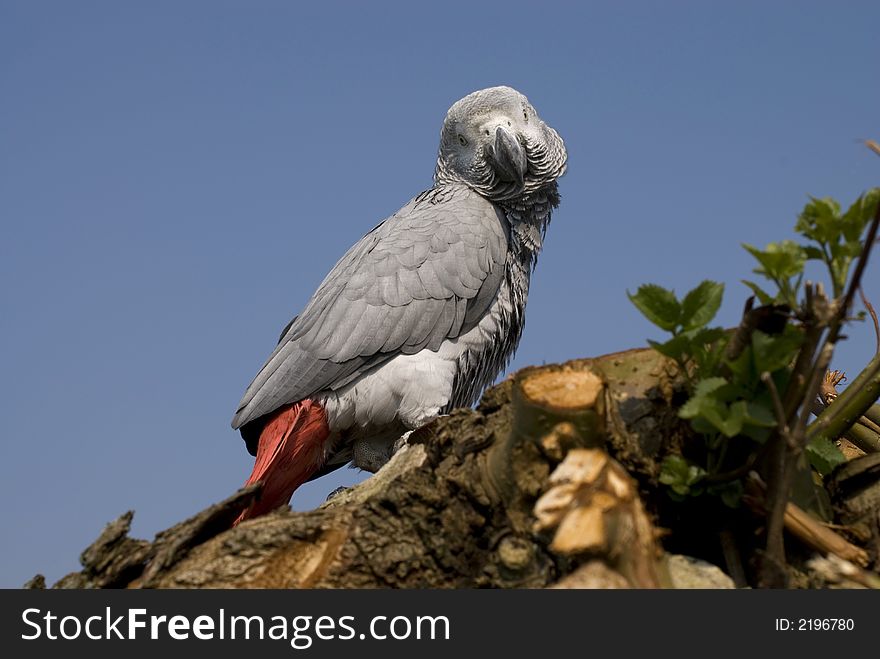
(816, 304)
(870, 425)
(787, 443)
(864, 391)
(856, 281)
(820, 537)
(781, 421)
(849, 405)
(871, 144)
(822, 363)
(733, 558)
(738, 472)
(805, 383)
(743, 332)
(864, 434)
(779, 492)
(773, 563)
(789, 449)
(827, 399)
(800, 524)
(864, 438)
(873, 313)
(770, 319)
(810, 367)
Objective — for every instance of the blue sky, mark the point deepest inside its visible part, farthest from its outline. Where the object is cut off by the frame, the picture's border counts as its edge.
(176, 179)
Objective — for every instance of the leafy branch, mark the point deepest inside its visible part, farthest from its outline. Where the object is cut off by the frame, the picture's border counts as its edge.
(752, 390)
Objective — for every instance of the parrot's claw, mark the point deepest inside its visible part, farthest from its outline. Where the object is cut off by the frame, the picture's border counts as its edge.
(335, 493)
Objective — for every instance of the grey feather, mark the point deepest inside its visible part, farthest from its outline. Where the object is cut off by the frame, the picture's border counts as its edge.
(455, 255)
(427, 273)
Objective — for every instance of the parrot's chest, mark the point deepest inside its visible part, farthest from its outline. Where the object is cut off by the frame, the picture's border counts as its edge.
(483, 353)
(408, 391)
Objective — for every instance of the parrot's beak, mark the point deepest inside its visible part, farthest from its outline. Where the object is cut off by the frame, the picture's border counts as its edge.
(508, 156)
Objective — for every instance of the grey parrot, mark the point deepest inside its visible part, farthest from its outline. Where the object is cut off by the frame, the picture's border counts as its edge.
(420, 315)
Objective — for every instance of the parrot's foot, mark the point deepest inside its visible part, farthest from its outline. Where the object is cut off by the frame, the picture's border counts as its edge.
(403, 440)
(371, 453)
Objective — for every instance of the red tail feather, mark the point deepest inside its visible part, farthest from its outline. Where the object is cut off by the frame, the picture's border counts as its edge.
(290, 450)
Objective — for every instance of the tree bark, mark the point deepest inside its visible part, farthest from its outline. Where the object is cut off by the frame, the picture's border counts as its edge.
(541, 485)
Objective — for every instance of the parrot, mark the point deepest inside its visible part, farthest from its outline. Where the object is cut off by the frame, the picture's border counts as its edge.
(420, 315)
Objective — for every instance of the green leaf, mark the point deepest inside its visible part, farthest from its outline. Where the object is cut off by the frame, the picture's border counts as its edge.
(674, 469)
(756, 433)
(729, 493)
(703, 427)
(742, 368)
(824, 455)
(708, 335)
(759, 415)
(732, 495)
(708, 404)
(763, 297)
(820, 220)
(707, 347)
(701, 304)
(658, 305)
(680, 475)
(813, 253)
(709, 385)
(839, 270)
(677, 348)
(757, 420)
(842, 255)
(774, 352)
(859, 215)
(731, 423)
(779, 261)
(697, 345)
(708, 407)
(702, 393)
(848, 250)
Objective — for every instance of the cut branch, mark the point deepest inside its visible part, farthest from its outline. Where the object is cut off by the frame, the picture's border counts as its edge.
(854, 401)
(800, 524)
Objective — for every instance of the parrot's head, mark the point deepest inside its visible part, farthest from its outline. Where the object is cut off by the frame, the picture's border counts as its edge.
(494, 141)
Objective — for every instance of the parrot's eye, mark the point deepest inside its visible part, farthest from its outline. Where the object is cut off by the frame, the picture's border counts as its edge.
(462, 140)
(526, 115)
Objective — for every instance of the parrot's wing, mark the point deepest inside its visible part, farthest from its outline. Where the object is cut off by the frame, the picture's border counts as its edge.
(426, 274)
